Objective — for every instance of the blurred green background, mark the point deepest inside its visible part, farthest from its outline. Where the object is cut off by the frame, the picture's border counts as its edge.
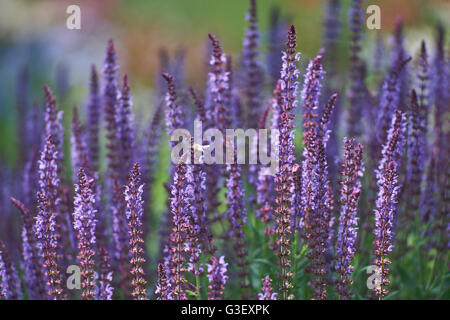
(33, 34)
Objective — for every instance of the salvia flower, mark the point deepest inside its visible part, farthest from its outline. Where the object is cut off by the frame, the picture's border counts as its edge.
(105, 277)
(316, 194)
(389, 100)
(33, 271)
(219, 84)
(416, 161)
(423, 97)
(217, 113)
(319, 222)
(275, 37)
(173, 111)
(331, 37)
(177, 247)
(93, 118)
(356, 16)
(199, 209)
(177, 250)
(125, 123)
(253, 77)
(133, 197)
(110, 105)
(265, 184)
(352, 169)
(386, 203)
(79, 151)
(199, 235)
(284, 179)
(9, 281)
(84, 225)
(237, 217)
(45, 226)
(267, 293)
(163, 286)
(217, 275)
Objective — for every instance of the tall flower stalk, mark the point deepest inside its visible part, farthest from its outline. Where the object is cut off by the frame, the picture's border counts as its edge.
(9, 281)
(275, 37)
(217, 276)
(253, 77)
(93, 118)
(84, 224)
(237, 217)
(267, 293)
(386, 203)
(284, 179)
(45, 226)
(33, 272)
(352, 169)
(163, 285)
(133, 197)
(176, 248)
(356, 16)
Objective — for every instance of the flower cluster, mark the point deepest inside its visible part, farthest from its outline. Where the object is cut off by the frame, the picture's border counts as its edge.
(267, 293)
(284, 179)
(84, 225)
(217, 275)
(133, 197)
(386, 203)
(352, 170)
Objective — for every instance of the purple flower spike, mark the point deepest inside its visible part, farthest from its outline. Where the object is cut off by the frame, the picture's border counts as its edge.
(9, 282)
(265, 185)
(163, 286)
(386, 203)
(253, 77)
(217, 275)
(317, 199)
(93, 119)
(356, 16)
(219, 85)
(275, 38)
(105, 290)
(79, 152)
(174, 112)
(84, 225)
(237, 217)
(389, 100)
(176, 251)
(267, 293)
(284, 177)
(45, 226)
(125, 123)
(415, 165)
(133, 197)
(352, 170)
(111, 102)
(33, 271)
(441, 98)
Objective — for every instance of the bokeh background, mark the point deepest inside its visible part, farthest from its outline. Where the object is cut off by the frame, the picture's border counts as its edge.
(33, 35)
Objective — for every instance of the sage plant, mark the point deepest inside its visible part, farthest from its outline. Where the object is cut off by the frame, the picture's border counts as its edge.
(284, 179)
(386, 203)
